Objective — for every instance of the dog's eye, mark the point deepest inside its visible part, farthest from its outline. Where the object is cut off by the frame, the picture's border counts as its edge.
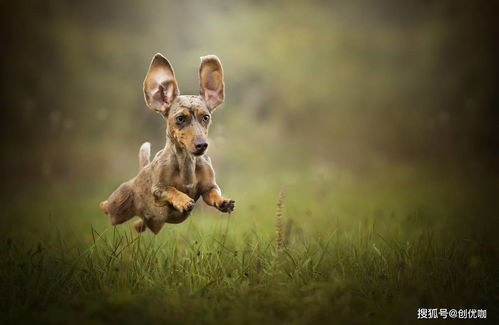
(180, 119)
(206, 117)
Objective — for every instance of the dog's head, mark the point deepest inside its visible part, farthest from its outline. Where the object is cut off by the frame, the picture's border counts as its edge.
(187, 117)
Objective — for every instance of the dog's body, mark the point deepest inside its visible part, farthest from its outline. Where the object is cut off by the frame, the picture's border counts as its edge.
(167, 187)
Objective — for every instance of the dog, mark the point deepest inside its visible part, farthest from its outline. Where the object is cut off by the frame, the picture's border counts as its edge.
(166, 188)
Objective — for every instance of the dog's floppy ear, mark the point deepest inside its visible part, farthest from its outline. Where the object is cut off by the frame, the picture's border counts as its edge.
(211, 81)
(160, 85)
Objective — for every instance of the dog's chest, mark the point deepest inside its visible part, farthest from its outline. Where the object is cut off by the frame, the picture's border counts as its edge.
(191, 189)
(185, 180)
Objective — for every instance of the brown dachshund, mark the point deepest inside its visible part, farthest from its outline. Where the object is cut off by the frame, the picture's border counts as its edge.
(167, 187)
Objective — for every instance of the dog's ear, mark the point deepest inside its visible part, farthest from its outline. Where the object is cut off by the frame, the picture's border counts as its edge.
(160, 85)
(211, 81)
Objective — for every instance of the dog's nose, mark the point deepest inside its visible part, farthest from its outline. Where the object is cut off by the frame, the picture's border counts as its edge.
(201, 145)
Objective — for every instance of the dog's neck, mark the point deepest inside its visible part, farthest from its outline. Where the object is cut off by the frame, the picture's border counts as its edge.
(186, 162)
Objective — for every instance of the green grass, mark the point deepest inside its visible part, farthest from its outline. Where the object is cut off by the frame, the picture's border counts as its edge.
(347, 249)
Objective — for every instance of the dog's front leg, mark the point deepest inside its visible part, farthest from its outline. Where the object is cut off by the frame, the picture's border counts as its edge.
(165, 194)
(214, 198)
(180, 201)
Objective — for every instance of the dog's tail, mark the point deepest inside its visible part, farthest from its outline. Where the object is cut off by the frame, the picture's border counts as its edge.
(144, 154)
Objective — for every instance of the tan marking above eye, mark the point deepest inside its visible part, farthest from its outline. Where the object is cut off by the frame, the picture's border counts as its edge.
(201, 112)
(185, 114)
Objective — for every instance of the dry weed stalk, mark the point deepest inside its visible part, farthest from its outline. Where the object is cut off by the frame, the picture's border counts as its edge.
(279, 225)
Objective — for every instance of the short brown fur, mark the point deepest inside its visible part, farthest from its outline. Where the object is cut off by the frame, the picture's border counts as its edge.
(167, 187)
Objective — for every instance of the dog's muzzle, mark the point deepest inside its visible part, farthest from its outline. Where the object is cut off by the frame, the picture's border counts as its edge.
(201, 146)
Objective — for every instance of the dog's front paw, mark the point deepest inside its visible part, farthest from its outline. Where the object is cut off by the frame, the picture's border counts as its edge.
(226, 205)
(183, 203)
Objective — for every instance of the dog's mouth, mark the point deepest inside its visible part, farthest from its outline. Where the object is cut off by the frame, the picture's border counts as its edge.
(199, 152)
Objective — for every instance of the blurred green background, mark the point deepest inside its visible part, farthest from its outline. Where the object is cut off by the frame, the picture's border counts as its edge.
(353, 84)
(377, 119)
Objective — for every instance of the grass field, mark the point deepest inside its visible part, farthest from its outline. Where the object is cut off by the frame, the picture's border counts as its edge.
(333, 247)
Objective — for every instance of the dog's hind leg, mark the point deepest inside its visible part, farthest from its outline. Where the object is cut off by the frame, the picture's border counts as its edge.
(139, 225)
(104, 207)
(119, 207)
(154, 225)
